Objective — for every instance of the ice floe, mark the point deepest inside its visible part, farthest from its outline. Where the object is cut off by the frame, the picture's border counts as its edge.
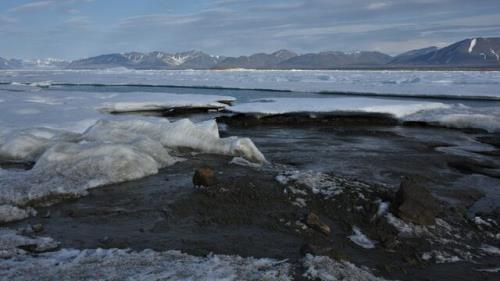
(335, 105)
(166, 102)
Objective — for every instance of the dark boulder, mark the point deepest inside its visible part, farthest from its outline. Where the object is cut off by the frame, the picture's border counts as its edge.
(315, 223)
(204, 177)
(414, 203)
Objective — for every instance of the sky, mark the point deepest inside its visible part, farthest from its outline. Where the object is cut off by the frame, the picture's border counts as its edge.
(71, 29)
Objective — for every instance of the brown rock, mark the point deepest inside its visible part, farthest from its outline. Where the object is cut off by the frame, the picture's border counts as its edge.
(415, 203)
(204, 177)
(315, 223)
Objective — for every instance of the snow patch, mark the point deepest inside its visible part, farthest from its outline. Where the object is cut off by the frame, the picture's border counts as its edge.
(316, 182)
(473, 43)
(117, 264)
(326, 269)
(490, 249)
(361, 239)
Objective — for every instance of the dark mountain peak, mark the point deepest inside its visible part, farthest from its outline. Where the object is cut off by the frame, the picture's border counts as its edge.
(472, 52)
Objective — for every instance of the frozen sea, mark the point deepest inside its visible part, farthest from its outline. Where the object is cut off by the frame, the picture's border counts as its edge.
(68, 99)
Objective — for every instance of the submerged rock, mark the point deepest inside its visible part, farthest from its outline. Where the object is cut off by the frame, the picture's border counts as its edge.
(415, 203)
(204, 177)
(314, 222)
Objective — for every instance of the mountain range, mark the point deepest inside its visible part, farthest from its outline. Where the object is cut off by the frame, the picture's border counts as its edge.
(475, 52)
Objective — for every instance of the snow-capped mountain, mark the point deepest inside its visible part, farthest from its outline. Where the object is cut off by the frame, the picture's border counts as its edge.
(470, 52)
(152, 60)
(474, 52)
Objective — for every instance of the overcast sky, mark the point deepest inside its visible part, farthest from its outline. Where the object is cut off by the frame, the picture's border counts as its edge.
(80, 28)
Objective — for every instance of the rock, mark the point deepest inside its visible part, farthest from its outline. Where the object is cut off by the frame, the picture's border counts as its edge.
(204, 177)
(315, 223)
(37, 228)
(415, 204)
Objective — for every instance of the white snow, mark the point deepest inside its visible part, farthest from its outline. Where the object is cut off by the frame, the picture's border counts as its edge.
(495, 54)
(490, 249)
(440, 257)
(361, 239)
(326, 269)
(480, 221)
(316, 182)
(494, 269)
(108, 152)
(383, 208)
(335, 105)
(147, 265)
(473, 43)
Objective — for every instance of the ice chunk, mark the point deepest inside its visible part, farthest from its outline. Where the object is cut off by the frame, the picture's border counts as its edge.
(67, 164)
(360, 239)
(243, 162)
(326, 269)
(10, 213)
(166, 102)
(12, 244)
(27, 145)
(116, 264)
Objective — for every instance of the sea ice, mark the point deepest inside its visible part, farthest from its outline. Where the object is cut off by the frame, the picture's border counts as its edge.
(396, 108)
